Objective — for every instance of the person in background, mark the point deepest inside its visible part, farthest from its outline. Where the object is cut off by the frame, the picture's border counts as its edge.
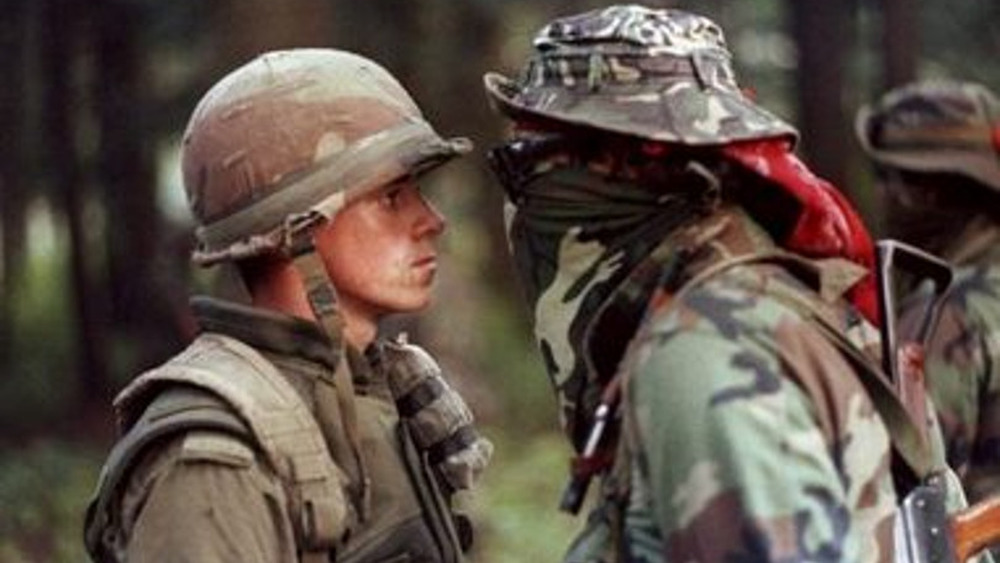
(289, 429)
(935, 146)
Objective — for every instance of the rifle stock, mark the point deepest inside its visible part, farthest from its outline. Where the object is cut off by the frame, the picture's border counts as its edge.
(975, 528)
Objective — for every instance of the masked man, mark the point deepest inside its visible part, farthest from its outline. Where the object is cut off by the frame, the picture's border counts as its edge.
(691, 283)
(936, 149)
(288, 431)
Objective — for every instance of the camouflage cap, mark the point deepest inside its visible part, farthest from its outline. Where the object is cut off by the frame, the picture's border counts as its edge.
(664, 75)
(935, 126)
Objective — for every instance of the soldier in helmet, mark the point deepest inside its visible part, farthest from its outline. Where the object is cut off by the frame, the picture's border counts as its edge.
(288, 430)
(936, 149)
(692, 284)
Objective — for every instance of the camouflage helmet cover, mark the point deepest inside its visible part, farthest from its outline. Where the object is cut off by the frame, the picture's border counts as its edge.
(935, 126)
(664, 75)
(290, 138)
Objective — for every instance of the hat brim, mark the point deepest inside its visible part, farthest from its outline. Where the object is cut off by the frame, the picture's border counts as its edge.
(679, 114)
(983, 166)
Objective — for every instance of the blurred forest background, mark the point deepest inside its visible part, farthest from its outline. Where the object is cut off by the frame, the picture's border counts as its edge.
(94, 235)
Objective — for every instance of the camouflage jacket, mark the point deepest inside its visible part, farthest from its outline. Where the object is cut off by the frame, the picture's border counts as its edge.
(963, 364)
(747, 435)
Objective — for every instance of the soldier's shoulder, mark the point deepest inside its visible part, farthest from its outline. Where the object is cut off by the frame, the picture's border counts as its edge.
(180, 425)
(713, 335)
(193, 447)
(740, 302)
(215, 447)
(974, 296)
(978, 278)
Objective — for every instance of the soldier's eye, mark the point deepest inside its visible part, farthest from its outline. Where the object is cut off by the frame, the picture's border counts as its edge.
(391, 197)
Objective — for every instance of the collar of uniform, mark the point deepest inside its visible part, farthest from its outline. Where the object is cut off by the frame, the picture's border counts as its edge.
(725, 235)
(264, 329)
(732, 235)
(368, 371)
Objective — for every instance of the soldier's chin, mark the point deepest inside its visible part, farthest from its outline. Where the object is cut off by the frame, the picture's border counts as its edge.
(418, 301)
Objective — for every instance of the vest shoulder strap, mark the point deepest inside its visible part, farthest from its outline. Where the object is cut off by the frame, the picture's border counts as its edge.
(174, 411)
(220, 384)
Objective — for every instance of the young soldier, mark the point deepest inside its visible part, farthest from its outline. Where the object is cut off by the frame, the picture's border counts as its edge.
(672, 247)
(288, 430)
(936, 148)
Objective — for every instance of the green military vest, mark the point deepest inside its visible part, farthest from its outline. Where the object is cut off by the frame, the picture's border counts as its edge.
(222, 385)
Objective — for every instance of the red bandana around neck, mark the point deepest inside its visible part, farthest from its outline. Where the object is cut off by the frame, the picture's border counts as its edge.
(828, 225)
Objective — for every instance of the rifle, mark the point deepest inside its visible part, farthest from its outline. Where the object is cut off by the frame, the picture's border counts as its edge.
(904, 364)
(925, 532)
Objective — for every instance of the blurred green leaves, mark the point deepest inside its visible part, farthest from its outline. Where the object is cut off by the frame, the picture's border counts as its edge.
(44, 488)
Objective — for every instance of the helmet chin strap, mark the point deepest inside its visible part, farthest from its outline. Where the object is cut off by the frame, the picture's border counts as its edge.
(338, 392)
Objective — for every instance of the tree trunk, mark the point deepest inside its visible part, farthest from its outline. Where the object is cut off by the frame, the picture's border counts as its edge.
(900, 41)
(12, 204)
(255, 26)
(394, 42)
(820, 29)
(59, 46)
(469, 46)
(141, 307)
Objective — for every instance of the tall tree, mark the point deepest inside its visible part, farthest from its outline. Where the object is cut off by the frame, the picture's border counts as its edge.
(60, 46)
(459, 43)
(395, 42)
(822, 31)
(247, 27)
(13, 42)
(900, 40)
(126, 172)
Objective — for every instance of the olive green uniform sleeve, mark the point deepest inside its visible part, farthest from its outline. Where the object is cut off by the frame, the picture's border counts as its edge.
(755, 442)
(205, 497)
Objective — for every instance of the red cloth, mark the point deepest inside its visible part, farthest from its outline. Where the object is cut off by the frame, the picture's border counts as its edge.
(828, 225)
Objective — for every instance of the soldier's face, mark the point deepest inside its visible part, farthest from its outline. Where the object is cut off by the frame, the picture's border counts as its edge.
(380, 252)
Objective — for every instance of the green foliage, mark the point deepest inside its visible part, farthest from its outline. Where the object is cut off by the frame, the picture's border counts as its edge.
(515, 508)
(44, 489)
(961, 40)
(41, 380)
(514, 366)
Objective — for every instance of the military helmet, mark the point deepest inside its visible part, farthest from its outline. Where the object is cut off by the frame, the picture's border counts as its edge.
(290, 138)
(935, 126)
(664, 75)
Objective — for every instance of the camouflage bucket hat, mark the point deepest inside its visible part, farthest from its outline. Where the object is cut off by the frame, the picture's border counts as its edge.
(664, 75)
(935, 127)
